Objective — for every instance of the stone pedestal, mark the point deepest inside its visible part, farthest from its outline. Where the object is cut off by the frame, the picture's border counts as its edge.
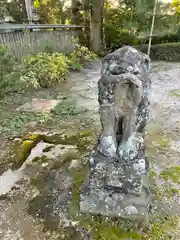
(116, 189)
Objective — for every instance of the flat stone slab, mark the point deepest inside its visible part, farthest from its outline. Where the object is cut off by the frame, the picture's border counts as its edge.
(116, 190)
(39, 105)
(112, 204)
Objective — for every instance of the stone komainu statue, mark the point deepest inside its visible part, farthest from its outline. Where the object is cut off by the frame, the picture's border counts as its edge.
(117, 184)
(123, 97)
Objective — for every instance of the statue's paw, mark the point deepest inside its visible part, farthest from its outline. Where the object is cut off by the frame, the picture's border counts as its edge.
(129, 150)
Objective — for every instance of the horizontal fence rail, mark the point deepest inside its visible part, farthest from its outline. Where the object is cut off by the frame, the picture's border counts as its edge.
(23, 40)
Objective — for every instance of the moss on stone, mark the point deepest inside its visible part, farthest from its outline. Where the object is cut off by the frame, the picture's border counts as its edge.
(35, 137)
(83, 140)
(22, 152)
(41, 159)
(48, 148)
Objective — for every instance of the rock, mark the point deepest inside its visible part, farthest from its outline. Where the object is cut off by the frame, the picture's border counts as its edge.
(74, 164)
(39, 105)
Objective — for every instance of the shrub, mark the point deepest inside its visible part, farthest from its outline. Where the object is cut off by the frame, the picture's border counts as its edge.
(116, 38)
(167, 38)
(164, 52)
(45, 69)
(80, 56)
(48, 69)
(9, 72)
(7, 61)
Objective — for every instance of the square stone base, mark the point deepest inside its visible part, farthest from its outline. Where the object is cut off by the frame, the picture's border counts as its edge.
(111, 204)
(116, 190)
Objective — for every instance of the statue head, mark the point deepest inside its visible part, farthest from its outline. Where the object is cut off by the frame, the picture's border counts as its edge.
(125, 59)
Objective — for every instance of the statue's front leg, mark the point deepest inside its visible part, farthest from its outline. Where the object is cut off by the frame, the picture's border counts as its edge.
(108, 143)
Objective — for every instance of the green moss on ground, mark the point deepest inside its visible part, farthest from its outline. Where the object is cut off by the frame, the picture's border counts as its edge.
(172, 174)
(174, 93)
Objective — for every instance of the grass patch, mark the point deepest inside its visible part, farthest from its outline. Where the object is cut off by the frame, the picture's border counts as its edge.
(18, 122)
(67, 108)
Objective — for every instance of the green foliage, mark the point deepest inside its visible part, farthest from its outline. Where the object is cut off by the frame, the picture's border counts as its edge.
(164, 52)
(7, 61)
(166, 38)
(18, 122)
(116, 38)
(17, 10)
(9, 72)
(3, 9)
(51, 11)
(118, 29)
(44, 69)
(172, 173)
(67, 108)
(132, 18)
(48, 69)
(80, 56)
(176, 5)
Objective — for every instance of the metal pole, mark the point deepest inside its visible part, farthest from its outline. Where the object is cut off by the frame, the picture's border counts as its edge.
(152, 27)
(28, 4)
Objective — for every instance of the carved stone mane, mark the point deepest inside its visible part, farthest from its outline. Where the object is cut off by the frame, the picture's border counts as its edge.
(117, 185)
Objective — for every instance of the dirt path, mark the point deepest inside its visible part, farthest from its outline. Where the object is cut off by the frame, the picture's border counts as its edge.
(44, 195)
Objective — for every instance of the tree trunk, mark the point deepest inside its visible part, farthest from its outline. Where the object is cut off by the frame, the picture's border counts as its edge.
(86, 23)
(96, 23)
(76, 15)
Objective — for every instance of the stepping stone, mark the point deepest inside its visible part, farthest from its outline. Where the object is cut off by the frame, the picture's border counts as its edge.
(39, 105)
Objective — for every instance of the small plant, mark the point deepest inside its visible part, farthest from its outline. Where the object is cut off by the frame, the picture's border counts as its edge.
(80, 56)
(67, 108)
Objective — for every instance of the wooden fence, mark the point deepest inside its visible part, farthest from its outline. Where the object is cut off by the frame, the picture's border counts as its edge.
(24, 40)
